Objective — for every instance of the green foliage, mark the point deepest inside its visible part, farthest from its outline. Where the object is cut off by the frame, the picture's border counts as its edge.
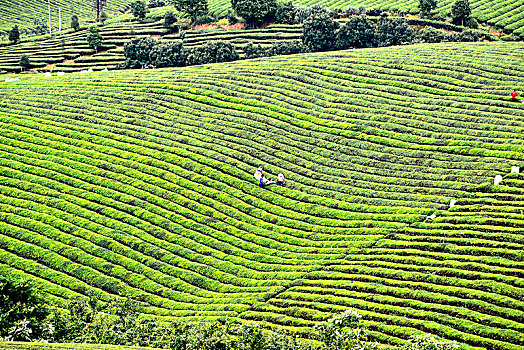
(24, 62)
(169, 20)
(14, 35)
(212, 52)
(460, 11)
(426, 7)
(22, 311)
(138, 52)
(156, 3)
(39, 26)
(94, 39)
(103, 17)
(393, 31)
(285, 13)
(254, 12)
(431, 35)
(319, 30)
(74, 22)
(139, 9)
(193, 8)
(168, 54)
(430, 343)
(358, 32)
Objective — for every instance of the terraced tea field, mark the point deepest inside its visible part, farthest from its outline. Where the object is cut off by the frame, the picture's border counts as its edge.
(140, 182)
(22, 12)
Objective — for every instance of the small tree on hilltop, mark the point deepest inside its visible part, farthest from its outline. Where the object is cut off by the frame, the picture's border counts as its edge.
(24, 62)
(14, 35)
(460, 11)
(139, 9)
(193, 8)
(103, 17)
(358, 32)
(74, 22)
(94, 39)
(319, 30)
(426, 7)
(254, 12)
(169, 19)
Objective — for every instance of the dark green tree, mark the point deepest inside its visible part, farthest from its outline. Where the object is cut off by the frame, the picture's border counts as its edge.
(212, 52)
(169, 19)
(254, 12)
(139, 9)
(358, 32)
(319, 30)
(285, 13)
(94, 39)
(168, 54)
(22, 310)
(460, 11)
(103, 17)
(14, 35)
(426, 7)
(24, 62)
(192, 8)
(393, 31)
(74, 22)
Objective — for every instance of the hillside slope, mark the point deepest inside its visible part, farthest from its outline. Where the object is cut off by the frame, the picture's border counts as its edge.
(22, 13)
(141, 181)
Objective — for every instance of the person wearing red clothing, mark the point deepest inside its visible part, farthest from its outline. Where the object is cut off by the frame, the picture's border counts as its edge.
(514, 96)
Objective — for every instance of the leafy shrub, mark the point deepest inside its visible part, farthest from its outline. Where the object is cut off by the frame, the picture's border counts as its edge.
(212, 52)
(393, 31)
(286, 48)
(373, 12)
(358, 32)
(169, 19)
(254, 51)
(319, 30)
(24, 62)
(195, 9)
(471, 23)
(14, 35)
(431, 35)
(39, 26)
(103, 17)
(254, 12)
(460, 11)
(138, 51)
(168, 54)
(22, 311)
(94, 39)
(156, 3)
(139, 9)
(426, 7)
(74, 23)
(430, 343)
(301, 13)
(285, 13)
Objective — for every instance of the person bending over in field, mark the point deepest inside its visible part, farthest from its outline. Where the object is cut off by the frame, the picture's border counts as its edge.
(281, 180)
(263, 182)
(514, 96)
(258, 173)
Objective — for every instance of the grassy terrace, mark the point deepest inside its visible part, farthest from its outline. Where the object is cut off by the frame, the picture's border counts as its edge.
(142, 181)
(71, 53)
(22, 12)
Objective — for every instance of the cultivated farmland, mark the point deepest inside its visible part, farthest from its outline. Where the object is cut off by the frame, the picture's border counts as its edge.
(140, 182)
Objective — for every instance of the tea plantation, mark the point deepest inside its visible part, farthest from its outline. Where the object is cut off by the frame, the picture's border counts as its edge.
(504, 14)
(140, 183)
